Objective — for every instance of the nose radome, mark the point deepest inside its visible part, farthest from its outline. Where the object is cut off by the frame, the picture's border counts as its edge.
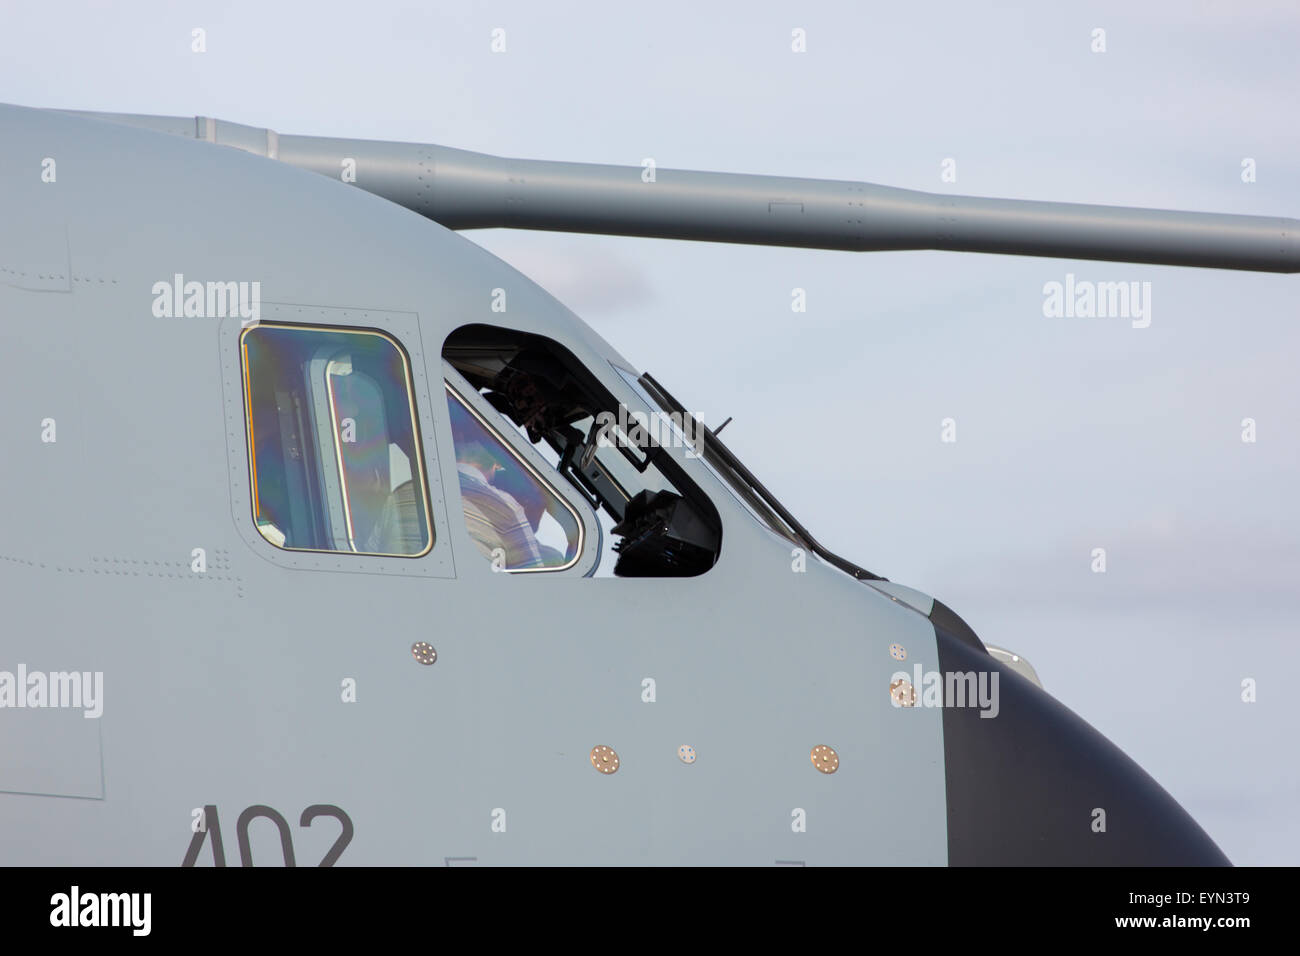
(1036, 785)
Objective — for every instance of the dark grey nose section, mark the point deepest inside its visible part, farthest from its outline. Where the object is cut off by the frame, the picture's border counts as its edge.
(1024, 787)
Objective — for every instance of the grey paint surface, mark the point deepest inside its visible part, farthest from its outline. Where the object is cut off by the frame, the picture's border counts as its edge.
(223, 688)
(1074, 433)
(909, 596)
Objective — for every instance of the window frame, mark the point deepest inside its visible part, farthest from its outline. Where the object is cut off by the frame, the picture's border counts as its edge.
(590, 533)
(602, 385)
(327, 397)
(404, 329)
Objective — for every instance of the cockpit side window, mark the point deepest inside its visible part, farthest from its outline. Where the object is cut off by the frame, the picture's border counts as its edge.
(516, 520)
(658, 523)
(333, 441)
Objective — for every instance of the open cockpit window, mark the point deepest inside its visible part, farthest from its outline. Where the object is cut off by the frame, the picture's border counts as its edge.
(333, 441)
(688, 428)
(659, 524)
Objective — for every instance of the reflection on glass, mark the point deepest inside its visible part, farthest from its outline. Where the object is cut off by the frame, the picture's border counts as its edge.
(333, 442)
(515, 519)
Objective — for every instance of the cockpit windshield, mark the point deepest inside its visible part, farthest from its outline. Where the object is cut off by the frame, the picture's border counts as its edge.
(738, 479)
(701, 444)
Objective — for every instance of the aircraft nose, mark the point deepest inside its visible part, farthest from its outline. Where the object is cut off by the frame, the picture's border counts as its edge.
(1037, 785)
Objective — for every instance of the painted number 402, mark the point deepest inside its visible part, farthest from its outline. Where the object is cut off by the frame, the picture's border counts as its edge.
(207, 825)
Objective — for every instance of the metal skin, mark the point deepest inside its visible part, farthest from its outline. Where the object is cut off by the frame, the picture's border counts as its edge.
(221, 687)
(467, 190)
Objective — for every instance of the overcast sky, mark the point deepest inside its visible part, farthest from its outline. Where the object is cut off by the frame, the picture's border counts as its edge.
(1072, 433)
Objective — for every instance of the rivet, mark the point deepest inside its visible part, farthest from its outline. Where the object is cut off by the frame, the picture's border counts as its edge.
(825, 759)
(604, 759)
(898, 652)
(423, 652)
(687, 753)
(903, 692)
